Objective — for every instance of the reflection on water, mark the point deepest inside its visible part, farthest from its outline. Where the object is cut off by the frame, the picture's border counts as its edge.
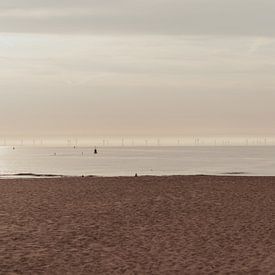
(121, 161)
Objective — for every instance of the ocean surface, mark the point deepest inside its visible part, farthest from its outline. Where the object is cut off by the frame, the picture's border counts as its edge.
(126, 161)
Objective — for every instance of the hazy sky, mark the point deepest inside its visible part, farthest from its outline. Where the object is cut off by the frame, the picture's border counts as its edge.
(136, 67)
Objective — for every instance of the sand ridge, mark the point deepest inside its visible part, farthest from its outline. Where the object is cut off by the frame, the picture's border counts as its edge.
(144, 225)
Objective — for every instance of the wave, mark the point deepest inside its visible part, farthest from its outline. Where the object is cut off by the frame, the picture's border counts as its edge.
(31, 175)
(234, 173)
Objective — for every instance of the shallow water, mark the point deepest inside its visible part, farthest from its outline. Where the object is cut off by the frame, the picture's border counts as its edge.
(126, 161)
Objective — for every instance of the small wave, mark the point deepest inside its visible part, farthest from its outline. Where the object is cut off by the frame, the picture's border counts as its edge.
(234, 173)
(30, 175)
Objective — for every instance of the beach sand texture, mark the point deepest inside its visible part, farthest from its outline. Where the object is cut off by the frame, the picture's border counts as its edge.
(143, 225)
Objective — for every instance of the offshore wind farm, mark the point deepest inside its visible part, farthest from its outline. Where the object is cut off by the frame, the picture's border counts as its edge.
(132, 141)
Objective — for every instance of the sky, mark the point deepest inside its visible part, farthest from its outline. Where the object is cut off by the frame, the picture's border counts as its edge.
(137, 68)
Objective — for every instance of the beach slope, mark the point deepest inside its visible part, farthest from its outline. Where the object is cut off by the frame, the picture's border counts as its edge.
(143, 225)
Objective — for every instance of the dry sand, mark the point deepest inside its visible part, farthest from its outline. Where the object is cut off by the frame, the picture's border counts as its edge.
(144, 225)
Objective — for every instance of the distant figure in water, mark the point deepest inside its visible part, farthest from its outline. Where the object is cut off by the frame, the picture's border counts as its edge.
(13, 148)
(95, 151)
(136, 175)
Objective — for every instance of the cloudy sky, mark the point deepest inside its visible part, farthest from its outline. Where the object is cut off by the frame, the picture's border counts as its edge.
(136, 67)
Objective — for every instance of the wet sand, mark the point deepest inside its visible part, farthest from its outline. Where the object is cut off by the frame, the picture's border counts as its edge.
(144, 225)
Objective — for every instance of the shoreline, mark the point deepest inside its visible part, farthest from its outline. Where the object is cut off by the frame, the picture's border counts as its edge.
(26, 176)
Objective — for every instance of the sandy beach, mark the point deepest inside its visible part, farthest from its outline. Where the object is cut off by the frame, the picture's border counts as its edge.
(143, 225)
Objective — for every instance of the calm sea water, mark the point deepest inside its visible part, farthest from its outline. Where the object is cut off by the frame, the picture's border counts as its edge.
(122, 161)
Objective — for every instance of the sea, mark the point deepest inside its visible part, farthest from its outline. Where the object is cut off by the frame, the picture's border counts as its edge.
(127, 161)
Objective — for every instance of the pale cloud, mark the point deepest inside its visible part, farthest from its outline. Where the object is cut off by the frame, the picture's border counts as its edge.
(136, 84)
(41, 14)
(174, 17)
